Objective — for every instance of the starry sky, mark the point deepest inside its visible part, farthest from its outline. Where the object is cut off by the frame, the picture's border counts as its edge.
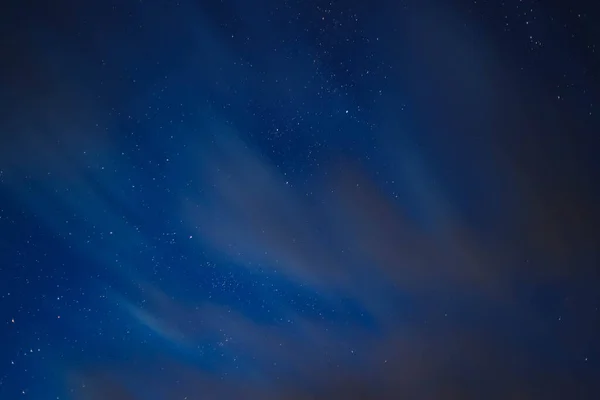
(284, 199)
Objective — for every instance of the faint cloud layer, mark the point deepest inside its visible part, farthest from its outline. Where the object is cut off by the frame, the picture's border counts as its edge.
(351, 238)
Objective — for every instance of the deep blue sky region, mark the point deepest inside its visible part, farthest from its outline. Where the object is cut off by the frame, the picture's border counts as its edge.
(283, 199)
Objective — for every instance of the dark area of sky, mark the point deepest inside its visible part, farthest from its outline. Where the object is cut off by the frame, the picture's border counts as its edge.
(299, 200)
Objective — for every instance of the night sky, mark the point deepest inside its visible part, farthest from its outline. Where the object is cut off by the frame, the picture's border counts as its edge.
(287, 199)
